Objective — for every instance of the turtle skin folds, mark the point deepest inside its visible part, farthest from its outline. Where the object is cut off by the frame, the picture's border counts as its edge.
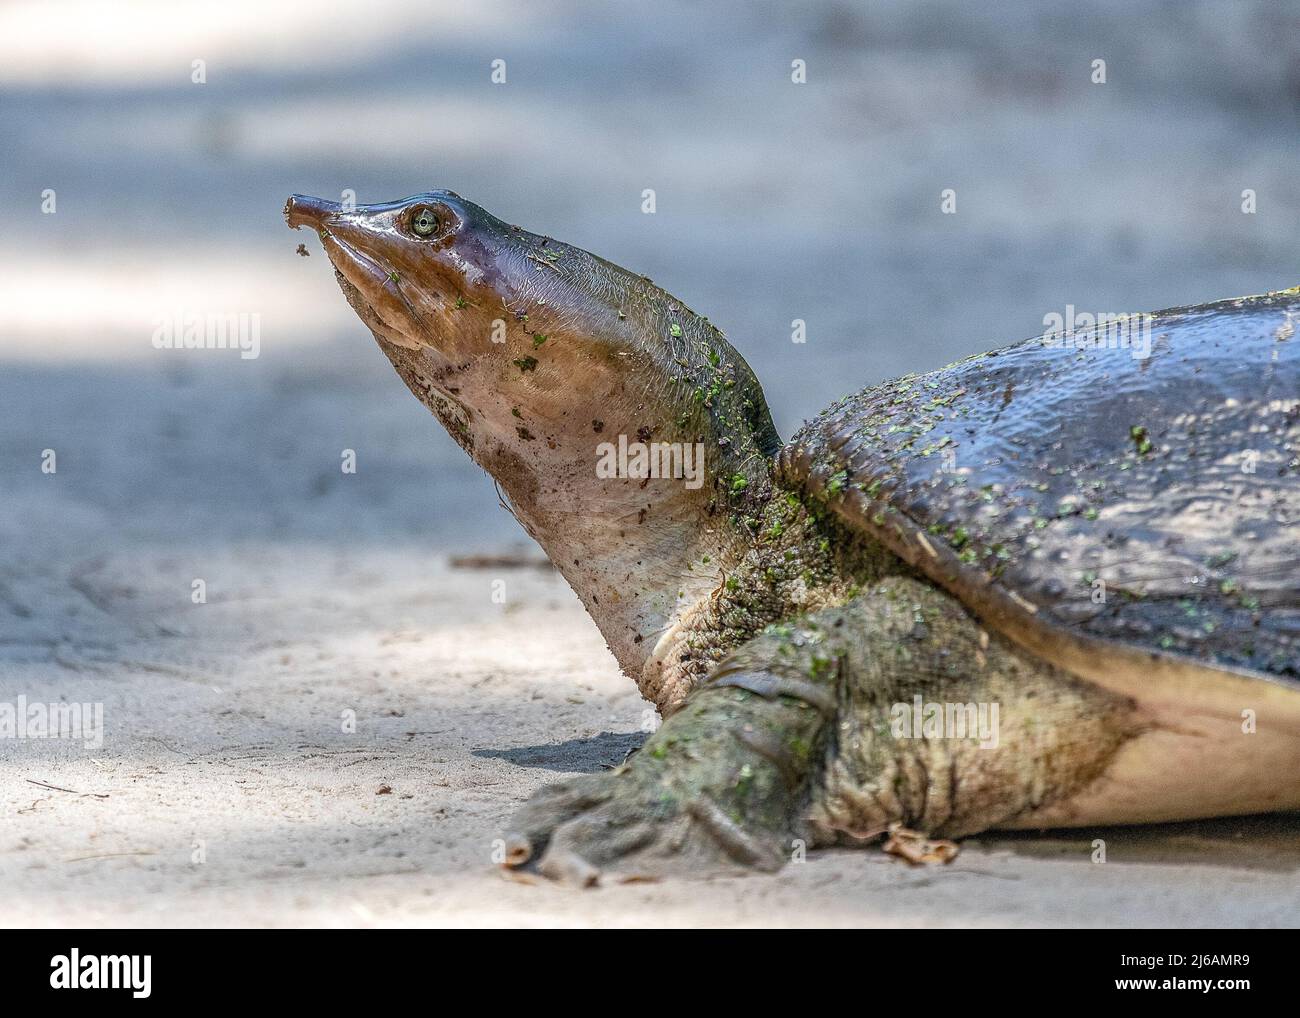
(793, 742)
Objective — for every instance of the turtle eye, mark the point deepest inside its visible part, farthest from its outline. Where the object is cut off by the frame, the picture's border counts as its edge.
(424, 223)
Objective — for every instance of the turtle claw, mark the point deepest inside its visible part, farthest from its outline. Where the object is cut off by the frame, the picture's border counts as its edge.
(551, 806)
(518, 850)
(637, 832)
(584, 846)
(569, 868)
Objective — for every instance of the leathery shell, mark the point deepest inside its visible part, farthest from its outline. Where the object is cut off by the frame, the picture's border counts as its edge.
(1103, 508)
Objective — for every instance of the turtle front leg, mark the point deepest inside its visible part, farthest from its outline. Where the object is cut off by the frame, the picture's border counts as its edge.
(895, 708)
(722, 786)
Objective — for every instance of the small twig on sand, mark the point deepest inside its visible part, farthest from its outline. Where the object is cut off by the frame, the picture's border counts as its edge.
(71, 791)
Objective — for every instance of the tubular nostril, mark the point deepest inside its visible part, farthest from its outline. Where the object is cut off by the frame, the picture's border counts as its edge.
(304, 210)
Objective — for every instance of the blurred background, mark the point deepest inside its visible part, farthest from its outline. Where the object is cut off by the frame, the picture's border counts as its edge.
(130, 191)
(775, 201)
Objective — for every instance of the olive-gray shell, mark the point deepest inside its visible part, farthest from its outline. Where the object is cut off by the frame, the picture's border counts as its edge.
(1075, 493)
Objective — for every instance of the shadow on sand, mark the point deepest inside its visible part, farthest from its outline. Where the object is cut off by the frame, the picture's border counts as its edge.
(596, 753)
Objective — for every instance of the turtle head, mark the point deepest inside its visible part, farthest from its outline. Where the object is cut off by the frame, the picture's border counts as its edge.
(516, 327)
(606, 408)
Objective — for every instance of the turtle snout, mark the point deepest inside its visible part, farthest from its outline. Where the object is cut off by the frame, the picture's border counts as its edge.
(304, 210)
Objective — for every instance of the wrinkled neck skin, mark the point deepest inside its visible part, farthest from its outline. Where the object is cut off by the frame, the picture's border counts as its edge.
(641, 553)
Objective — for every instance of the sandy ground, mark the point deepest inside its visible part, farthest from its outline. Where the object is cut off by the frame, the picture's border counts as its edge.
(228, 788)
(228, 793)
